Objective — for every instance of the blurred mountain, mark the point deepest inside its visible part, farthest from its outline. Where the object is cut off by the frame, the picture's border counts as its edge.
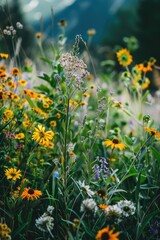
(82, 15)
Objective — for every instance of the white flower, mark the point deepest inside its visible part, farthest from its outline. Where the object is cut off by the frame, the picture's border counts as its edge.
(73, 66)
(45, 223)
(113, 212)
(50, 209)
(88, 204)
(127, 207)
(86, 188)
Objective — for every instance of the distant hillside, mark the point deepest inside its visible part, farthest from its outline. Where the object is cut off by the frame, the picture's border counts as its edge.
(85, 14)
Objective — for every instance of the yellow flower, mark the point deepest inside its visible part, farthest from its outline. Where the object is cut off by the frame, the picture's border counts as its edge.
(102, 206)
(86, 95)
(31, 194)
(53, 123)
(39, 35)
(106, 234)
(62, 23)
(13, 173)
(4, 55)
(15, 72)
(4, 231)
(58, 115)
(114, 143)
(147, 66)
(124, 57)
(23, 82)
(83, 103)
(15, 97)
(19, 136)
(9, 113)
(41, 136)
(91, 32)
(153, 132)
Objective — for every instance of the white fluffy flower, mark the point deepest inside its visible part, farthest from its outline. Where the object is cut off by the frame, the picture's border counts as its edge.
(73, 66)
(113, 211)
(88, 204)
(127, 207)
(45, 223)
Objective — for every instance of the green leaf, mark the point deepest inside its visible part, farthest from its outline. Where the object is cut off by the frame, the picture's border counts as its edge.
(128, 140)
(43, 88)
(155, 153)
(32, 105)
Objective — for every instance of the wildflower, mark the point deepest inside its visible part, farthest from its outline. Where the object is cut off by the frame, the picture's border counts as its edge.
(124, 57)
(41, 136)
(9, 113)
(73, 66)
(107, 234)
(5, 232)
(113, 212)
(91, 32)
(102, 206)
(53, 123)
(97, 171)
(31, 194)
(114, 143)
(15, 72)
(101, 193)
(146, 67)
(127, 207)
(83, 103)
(13, 173)
(39, 35)
(45, 222)
(19, 135)
(89, 192)
(4, 55)
(88, 205)
(22, 82)
(62, 23)
(58, 115)
(85, 94)
(76, 223)
(151, 131)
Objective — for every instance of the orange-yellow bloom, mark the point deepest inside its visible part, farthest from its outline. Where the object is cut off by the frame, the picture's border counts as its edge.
(124, 57)
(106, 234)
(31, 194)
(13, 173)
(114, 143)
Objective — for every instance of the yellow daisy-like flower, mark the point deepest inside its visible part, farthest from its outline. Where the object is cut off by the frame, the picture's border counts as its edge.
(23, 82)
(153, 132)
(107, 234)
(31, 194)
(19, 135)
(4, 55)
(58, 115)
(147, 66)
(9, 113)
(124, 57)
(15, 72)
(41, 136)
(13, 173)
(53, 123)
(39, 35)
(114, 143)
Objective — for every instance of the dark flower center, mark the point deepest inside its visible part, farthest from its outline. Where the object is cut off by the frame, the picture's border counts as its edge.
(115, 141)
(124, 58)
(105, 236)
(101, 193)
(30, 191)
(126, 209)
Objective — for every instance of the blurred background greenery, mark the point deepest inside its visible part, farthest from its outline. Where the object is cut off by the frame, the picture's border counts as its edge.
(112, 19)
